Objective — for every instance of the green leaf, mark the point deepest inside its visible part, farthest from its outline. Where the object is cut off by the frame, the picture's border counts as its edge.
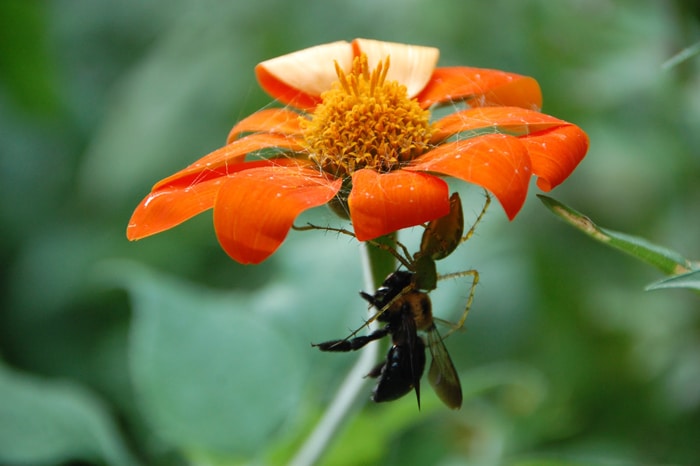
(689, 280)
(213, 378)
(669, 262)
(51, 422)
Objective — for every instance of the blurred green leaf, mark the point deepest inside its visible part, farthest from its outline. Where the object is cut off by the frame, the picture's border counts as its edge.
(689, 280)
(376, 427)
(52, 422)
(145, 87)
(25, 64)
(552, 462)
(189, 71)
(667, 261)
(211, 377)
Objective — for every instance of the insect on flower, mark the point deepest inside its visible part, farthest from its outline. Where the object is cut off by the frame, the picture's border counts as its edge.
(358, 132)
(403, 304)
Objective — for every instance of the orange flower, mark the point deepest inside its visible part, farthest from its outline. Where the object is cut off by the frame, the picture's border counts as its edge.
(356, 131)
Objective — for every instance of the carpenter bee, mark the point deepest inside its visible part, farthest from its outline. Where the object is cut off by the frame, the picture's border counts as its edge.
(406, 311)
(404, 307)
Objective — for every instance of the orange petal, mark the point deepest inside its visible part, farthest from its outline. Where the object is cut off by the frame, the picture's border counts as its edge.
(172, 204)
(164, 209)
(515, 121)
(299, 78)
(411, 65)
(273, 120)
(481, 87)
(555, 146)
(497, 162)
(384, 203)
(555, 154)
(256, 208)
(217, 163)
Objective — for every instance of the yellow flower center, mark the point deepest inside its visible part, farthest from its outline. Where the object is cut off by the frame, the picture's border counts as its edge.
(365, 121)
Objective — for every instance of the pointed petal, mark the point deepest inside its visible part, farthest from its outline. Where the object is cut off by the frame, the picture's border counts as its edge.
(272, 120)
(387, 202)
(555, 154)
(411, 65)
(299, 78)
(172, 204)
(217, 163)
(497, 162)
(256, 208)
(514, 121)
(480, 88)
(164, 209)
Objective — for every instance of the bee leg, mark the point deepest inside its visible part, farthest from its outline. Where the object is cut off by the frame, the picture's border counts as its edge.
(352, 344)
(376, 370)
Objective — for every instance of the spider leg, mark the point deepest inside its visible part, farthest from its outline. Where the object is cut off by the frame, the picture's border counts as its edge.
(403, 259)
(475, 280)
(311, 226)
(479, 217)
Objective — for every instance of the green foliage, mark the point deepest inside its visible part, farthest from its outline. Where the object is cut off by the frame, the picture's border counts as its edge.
(165, 352)
(689, 280)
(193, 358)
(46, 422)
(684, 272)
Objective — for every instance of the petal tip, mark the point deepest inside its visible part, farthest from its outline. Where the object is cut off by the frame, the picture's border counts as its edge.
(411, 65)
(299, 78)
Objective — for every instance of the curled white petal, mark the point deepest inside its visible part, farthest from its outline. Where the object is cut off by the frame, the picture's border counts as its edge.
(311, 70)
(411, 65)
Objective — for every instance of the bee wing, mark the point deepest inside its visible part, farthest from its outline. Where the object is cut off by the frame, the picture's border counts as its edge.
(416, 349)
(442, 374)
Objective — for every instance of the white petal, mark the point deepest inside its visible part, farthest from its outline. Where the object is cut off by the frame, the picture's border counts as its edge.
(311, 70)
(411, 65)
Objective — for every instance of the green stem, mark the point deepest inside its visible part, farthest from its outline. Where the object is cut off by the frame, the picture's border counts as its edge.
(376, 265)
(381, 262)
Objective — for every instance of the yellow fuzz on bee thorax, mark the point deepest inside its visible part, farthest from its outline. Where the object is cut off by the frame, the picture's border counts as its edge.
(365, 121)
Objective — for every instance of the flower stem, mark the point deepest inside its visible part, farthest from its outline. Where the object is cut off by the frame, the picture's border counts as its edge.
(375, 264)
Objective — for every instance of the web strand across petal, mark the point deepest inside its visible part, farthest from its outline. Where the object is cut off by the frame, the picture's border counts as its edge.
(555, 146)
(497, 162)
(169, 207)
(299, 78)
(219, 162)
(271, 120)
(481, 87)
(255, 208)
(180, 200)
(555, 154)
(514, 121)
(381, 203)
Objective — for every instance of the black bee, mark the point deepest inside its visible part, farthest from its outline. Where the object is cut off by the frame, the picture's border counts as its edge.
(403, 305)
(405, 311)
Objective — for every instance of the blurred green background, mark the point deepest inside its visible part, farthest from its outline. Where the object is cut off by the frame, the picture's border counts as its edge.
(165, 352)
